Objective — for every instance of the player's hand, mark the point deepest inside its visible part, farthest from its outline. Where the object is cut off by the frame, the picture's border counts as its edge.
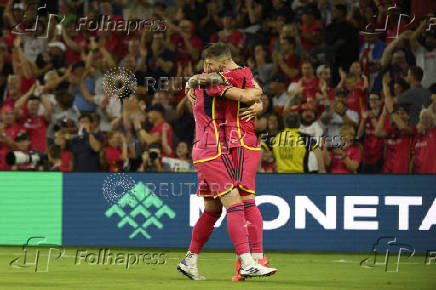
(191, 97)
(251, 112)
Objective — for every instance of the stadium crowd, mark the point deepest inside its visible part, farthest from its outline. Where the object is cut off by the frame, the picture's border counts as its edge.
(358, 75)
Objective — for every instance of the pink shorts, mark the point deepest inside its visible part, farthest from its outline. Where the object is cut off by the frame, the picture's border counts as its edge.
(215, 177)
(245, 163)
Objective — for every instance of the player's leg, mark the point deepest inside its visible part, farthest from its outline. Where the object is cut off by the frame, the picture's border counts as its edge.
(205, 224)
(214, 178)
(237, 228)
(200, 235)
(246, 165)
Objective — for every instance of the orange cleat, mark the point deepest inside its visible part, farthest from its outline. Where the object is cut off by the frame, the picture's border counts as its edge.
(237, 276)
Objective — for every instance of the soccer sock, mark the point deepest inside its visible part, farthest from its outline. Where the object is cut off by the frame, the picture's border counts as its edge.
(203, 229)
(255, 227)
(237, 228)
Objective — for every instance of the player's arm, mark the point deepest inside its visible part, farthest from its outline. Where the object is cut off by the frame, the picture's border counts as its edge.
(247, 96)
(206, 79)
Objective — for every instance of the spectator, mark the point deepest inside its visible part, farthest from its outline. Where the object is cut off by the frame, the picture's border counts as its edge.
(161, 131)
(86, 146)
(152, 159)
(162, 97)
(9, 129)
(372, 155)
(182, 161)
(60, 139)
(423, 44)
(308, 27)
(415, 97)
(286, 62)
(229, 34)
(278, 91)
(309, 82)
(423, 150)
(83, 88)
(54, 158)
(398, 135)
(115, 154)
(260, 65)
(185, 43)
(267, 162)
(336, 116)
(291, 148)
(36, 126)
(343, 36)
(160, 61)
(344, 159)
(23, 145)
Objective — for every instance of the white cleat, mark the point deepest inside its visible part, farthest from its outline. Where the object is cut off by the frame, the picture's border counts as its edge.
(256, 270)
(189, 271)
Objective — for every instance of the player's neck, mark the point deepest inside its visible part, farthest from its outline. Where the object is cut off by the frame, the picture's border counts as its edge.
(232, 65)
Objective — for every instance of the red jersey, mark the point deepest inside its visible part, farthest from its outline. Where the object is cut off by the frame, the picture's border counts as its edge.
(209, 130)
(310, 89)
(113, 159)
(36, 128)
(398, 147)
(239, 132)
(159, 129)
(307, 46)
(12, 132)
(183, 55)
(424, 148)
(337, 163)
(65, 159)
(355, 100)
(372, 146)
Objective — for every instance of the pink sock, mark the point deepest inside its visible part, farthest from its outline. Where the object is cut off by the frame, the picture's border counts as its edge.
(255, 226)
(237, 228)
(203, 229)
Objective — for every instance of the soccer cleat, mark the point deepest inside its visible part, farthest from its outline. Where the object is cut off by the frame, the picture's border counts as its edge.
(189, 271)
(238, 277)
(256, 270)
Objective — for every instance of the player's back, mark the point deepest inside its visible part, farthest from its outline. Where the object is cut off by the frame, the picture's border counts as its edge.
(239, 132)
(209, 132)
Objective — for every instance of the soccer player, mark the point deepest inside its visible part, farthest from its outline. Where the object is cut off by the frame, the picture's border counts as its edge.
(240, 136)
(216, 180)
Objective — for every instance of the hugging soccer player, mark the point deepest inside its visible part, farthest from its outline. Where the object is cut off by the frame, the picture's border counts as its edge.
(240, 152)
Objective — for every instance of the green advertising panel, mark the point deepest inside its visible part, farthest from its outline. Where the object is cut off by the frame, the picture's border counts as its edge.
(30, 206)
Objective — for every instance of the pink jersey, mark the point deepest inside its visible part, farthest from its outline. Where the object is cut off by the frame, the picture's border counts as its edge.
(209, 132)
(238, 132)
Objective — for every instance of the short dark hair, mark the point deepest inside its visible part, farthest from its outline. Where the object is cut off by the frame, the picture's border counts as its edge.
(292, 121)
(416, 72)
(402, 83)
(215, 50)
(55, 151)
(85, 115)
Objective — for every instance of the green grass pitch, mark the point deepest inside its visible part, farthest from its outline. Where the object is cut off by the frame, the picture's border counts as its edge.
(297, 270)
